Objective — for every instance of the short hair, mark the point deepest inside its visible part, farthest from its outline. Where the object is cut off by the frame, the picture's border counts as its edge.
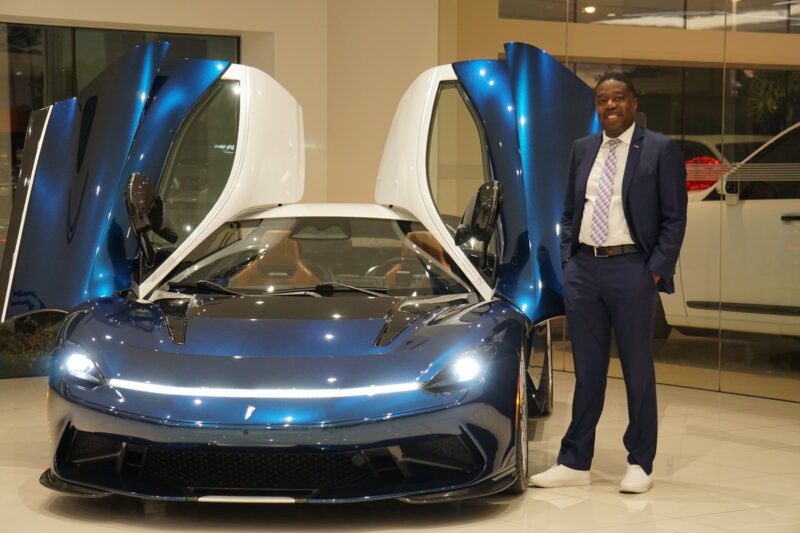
(620, 77)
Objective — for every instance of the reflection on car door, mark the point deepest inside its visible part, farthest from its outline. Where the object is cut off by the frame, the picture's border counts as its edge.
(512, 120)
(761, 241)
(228, 134)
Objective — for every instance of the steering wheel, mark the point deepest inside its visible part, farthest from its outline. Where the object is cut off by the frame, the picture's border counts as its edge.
(384, 267)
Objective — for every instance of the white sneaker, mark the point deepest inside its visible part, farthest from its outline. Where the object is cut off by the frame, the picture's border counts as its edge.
(560, 476)
(636, 481)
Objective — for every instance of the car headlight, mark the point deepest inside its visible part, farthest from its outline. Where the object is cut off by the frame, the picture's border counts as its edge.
(79, 368)
(463, 372)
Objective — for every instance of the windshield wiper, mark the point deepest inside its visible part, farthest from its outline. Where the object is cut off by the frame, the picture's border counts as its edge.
(203, 284)
(333, 285)
(326, 287)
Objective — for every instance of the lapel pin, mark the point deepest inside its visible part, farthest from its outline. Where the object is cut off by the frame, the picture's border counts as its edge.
(636, 146)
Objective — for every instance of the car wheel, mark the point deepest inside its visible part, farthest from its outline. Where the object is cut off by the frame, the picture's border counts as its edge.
(521, 432)
(546, 385)
(541, 397)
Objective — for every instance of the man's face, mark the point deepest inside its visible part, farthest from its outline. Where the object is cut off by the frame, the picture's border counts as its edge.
(616, 107)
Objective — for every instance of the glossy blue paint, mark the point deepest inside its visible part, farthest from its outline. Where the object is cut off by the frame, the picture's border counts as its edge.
(76, 183)
(477, 422)
(547, 107)
(178, 86)
(295, 343)
(487, 84)
(554, 108)
(131, 341)
(76, 219)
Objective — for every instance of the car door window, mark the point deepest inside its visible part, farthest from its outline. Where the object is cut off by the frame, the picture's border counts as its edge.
(201, 158)
(774, 173)
(458, 161)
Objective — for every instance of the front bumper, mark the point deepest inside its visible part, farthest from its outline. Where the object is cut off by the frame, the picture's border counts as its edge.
(463, 451)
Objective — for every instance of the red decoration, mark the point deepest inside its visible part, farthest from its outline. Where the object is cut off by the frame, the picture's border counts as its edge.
(699, 177)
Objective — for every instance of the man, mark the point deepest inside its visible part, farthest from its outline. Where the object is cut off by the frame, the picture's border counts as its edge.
(621, 231)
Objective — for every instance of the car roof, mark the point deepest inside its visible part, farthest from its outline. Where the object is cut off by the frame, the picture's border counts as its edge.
(772, 141)
(344, 210)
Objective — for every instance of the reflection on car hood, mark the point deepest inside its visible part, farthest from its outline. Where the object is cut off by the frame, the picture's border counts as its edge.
(285, 343)
(298, 326)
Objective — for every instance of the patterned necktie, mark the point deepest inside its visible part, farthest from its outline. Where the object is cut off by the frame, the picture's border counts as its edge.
(605, 189)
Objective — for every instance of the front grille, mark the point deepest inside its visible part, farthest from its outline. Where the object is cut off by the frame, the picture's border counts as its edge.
(150, 468)
(445, 449)
(252, 470)
(92, 447)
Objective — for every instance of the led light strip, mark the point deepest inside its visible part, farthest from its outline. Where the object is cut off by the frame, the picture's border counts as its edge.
(215, 392)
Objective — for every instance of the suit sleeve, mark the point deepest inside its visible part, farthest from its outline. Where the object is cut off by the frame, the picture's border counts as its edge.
(673, 201)
(569, 209)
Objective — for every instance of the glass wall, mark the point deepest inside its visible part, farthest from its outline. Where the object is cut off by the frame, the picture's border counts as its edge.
(760, 223)
(708, 76)
(38, 66)
(739, 272)
(742, 15)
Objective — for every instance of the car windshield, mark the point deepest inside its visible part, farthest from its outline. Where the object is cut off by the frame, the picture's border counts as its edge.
(305, 254)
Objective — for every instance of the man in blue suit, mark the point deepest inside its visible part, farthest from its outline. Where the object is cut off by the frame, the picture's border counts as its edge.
(621, 232)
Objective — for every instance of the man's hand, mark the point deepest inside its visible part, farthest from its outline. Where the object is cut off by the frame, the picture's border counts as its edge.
(656, 278)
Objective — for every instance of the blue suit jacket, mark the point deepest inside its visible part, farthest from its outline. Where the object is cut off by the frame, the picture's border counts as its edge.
(653, 196)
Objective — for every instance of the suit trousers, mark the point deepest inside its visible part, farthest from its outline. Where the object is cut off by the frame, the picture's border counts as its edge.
(601, 294)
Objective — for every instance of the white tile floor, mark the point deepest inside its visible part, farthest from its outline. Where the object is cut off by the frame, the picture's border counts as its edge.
(725, 463)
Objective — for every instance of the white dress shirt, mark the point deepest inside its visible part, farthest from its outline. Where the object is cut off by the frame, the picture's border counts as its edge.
(618, 232)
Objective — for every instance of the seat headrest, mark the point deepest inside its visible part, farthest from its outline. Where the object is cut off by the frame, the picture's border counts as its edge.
(282, 253)
(426, 242)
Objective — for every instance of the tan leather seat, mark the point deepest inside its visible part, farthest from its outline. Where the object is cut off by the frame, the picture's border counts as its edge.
(280, 264)
(414, 242)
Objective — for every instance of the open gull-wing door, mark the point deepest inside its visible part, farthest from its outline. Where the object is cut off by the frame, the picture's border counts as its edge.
(511, 120)
(217, 139)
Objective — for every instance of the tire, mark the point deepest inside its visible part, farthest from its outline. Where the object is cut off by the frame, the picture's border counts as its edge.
(546, 386)
(541, 398)
(521, 432)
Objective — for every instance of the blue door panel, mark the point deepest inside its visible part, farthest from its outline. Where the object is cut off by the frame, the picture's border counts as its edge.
(546, 107)
(487, 85)
(178, 86)
(76, 184)
(75, 243)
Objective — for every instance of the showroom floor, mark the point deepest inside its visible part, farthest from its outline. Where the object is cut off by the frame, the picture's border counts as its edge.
(725, 462)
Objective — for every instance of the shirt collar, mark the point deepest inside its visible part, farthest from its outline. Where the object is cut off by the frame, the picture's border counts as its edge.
(625, 137)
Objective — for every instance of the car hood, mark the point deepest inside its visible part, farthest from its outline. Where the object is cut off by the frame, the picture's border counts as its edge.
(297, 349)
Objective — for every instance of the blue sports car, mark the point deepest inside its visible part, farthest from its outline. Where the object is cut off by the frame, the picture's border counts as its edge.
(223, 342)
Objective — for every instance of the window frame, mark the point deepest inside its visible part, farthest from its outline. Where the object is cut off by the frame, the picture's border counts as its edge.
(488, 169)
(200, 107)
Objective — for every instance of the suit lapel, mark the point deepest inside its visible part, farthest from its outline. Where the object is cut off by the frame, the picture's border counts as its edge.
(585, 166)
(635, 150)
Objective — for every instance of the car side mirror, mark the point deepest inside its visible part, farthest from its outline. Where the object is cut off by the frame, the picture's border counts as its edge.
(480, 220)
(480, 217)
(146, 213)
(730, 189)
